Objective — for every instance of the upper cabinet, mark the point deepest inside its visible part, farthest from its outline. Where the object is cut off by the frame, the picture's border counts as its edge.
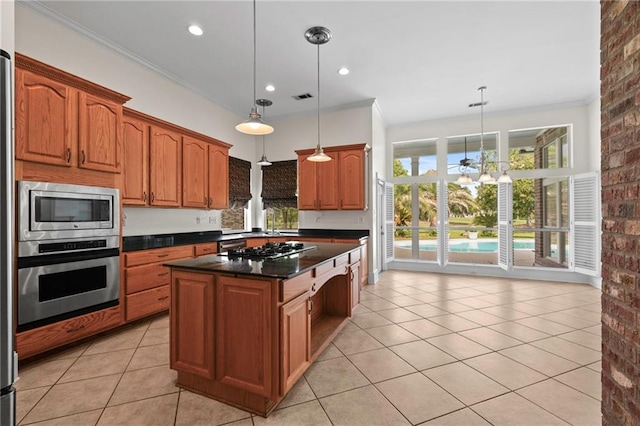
(63, 120)
(339, 184)
(135, 187)
(205, 174)
(165, 158)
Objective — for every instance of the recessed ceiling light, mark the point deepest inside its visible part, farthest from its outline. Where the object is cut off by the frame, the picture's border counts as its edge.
(343, 70)
(269, 88)
(195, 30)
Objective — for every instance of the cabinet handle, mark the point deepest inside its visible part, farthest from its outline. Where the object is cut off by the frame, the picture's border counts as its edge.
(163, 298)
(163, 274)
(68, 155)
(83, 156)
(206, 250)
(144, 196)
(152, 197)
(310, 305)
(313, 287)
(210, 202)
(163, 255)
(78, 328)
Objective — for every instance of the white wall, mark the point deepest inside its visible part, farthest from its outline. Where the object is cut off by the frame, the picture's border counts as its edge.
(595, 139)
(7, 39)
(379, 164)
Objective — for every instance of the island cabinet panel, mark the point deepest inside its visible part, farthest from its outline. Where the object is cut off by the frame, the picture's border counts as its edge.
(195, 170)
(45, 116)
(245, 324)
(192, 325)
(135, 188)
(165, 148)
(100, 134)
(295, 341)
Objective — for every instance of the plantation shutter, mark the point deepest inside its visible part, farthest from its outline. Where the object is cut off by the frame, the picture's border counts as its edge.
(584, 224)
(388, 222)
(505, 229)
(443, 222)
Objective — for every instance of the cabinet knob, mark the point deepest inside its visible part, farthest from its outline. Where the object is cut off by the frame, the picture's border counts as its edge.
(68, 155)
(210, 202)
(144, 196)
(152, 196)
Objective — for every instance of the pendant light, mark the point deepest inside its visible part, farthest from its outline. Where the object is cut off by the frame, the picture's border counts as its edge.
(254, 125)
(318, 36)
(263, 161)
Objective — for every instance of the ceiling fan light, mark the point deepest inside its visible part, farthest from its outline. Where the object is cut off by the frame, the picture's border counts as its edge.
(486, 178)
(254, 125)
(505, 178)
(464, 179)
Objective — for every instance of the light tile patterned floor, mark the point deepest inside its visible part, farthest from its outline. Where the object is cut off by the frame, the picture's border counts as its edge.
(422, 349)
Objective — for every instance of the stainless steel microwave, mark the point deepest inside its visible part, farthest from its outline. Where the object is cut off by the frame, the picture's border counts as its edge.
(62, 211)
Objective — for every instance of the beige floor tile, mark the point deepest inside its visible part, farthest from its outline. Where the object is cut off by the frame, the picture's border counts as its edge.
(243, 422)
(409, 290)
(585, 380)
(451, 306)
(464, 417)
(422, 355)
(428, 297)
(367, 295)
(512, 409)
(454, 322)
(586, 314)
(149, 356)
(481, 318)
(596, 329)
(381, 364)
(156, 336)
(334, 376)
(505, 371)
(392, 334)
(370, 319)
(544, 325)
(570, 320)
(42, 373)
(140, 384)
(409, 393)
(424, 328)
(458, 346)
(308, 414)
(74, 397)
(301, 392)
(158, 411)
(378, 305)
(129, 338)
(490, 338)
(542, 361)
(399, 315)
(355, 341)
(160, 322)
(26, 399)
(73, 351)
(198, 410)
(90, 418)
(475, 302)
(506, 313)
(591, 341)
(362, 407)
(330, 352)
(593, 307)
(470, 292)
(596, 366)
(530, 309)
(103, 364)
(426, 310)
(465, 383)
(569, 350)
(519, 331)
(570, 405)
(404, 301)
(385, 293)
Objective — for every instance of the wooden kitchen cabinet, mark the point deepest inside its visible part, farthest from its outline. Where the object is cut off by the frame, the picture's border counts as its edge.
(165, 166)
(63, 120)
(295, 341)
(135, 135)
(339, 184)
(205, 170)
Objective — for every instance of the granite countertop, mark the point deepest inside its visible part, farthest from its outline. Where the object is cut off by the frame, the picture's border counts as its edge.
(144, 242)
(282, 267)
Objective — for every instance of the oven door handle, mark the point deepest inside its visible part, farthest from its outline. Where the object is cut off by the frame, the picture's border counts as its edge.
(53, 259)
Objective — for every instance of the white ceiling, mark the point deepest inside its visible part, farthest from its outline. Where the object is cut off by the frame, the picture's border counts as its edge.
(421, 60)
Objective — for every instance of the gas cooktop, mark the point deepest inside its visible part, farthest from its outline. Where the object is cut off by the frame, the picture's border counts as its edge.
(267, 251)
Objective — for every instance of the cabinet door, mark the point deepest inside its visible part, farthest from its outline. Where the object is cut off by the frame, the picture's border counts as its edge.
(195, 166)
(45, 120)
(295, 341)
(364, 264)
(192, 327)
(100, 138)
(165, 163)
(354, 281)
(307, 184)
(135, 135)
(352, 180)
(244, 330)
(328, 194)
(218, 177)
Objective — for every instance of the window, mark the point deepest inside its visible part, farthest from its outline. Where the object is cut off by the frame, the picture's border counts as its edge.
(415, 158)
(279, 194)
(234, 218)
(541, 148)
(461, 147)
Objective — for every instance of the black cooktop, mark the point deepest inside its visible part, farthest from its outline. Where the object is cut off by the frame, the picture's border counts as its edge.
(268, 251)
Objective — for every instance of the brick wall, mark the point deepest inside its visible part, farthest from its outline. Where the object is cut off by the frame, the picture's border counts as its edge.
(620, 118)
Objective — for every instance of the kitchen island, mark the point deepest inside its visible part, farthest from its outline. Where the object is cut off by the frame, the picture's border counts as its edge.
(244, 329)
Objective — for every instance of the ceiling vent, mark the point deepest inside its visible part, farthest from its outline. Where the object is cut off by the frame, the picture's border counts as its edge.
(303, 96)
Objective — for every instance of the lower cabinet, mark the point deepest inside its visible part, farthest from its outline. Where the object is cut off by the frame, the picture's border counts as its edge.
(145, 303)
(295, 341)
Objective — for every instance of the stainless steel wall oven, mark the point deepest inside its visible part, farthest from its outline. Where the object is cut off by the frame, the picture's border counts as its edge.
(68, 251)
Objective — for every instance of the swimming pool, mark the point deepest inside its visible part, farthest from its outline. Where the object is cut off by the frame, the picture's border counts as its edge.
(470, 246)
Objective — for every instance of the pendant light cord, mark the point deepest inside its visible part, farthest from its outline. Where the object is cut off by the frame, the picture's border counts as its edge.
(254, 54)
(318, 96)
(263, 156)
(482, 154)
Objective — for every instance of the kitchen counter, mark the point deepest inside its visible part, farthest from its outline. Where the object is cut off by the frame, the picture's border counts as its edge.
(283, 267)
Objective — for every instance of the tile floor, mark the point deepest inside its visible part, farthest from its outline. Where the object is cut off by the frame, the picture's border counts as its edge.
(422, 349)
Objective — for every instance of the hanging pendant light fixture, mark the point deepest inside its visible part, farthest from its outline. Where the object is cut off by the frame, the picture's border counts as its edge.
(318, 36)
(254, 125)
(485, 176)
(263, 160)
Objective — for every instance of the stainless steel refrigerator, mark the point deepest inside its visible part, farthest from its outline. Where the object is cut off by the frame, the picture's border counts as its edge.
(8, 357)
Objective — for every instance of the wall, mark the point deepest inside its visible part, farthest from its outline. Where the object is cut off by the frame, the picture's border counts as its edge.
(379, 165)
(50, 42)
(7, 39)
(620, 115)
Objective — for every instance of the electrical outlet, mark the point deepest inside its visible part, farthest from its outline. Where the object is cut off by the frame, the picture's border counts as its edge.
(212, 220)
(198, 220)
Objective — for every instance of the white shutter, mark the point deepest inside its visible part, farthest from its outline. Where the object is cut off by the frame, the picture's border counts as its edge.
(443, 222)
(388, 222)
(585, 223)
(505, 230)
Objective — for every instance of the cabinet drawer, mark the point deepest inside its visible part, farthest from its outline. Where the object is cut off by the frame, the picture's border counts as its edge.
(204, 249)
(354, 256)
(146, 277)
(147, 302)
(295, 286)
(157, 255)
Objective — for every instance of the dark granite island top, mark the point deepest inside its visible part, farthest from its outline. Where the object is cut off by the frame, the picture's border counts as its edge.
(285, 267)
